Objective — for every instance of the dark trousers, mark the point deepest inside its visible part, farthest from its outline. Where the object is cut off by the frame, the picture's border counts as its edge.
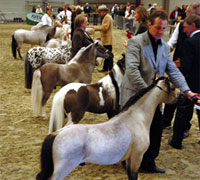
(152, 152)
(108, 62)
(183, 114)
(168, 114)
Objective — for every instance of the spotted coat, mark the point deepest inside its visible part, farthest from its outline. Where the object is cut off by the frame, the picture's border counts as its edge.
(37, 56)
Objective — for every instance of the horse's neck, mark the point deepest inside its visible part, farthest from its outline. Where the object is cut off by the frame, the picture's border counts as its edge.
(146, 106)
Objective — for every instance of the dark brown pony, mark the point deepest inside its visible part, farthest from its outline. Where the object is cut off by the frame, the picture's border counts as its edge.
(75, 99)
(48, 76)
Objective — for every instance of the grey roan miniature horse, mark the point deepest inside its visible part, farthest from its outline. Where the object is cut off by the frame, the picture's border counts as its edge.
(38, 36)
(123, 137)
(50, 75)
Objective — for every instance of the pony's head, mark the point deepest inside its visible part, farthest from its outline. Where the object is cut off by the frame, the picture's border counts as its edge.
(101, 51)
(168, 93)
(172, 94)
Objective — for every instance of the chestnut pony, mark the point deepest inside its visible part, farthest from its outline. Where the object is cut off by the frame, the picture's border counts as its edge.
(50, 75)
(75, 99)
(123, 137)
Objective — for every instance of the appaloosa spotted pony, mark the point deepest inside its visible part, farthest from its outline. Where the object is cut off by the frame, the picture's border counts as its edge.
(37, 56)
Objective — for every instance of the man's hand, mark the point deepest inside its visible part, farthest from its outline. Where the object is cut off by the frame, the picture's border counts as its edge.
(194, 97)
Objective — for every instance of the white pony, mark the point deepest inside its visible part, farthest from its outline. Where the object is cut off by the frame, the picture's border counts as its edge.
(55, 43)
(124, 137)
(38, 36)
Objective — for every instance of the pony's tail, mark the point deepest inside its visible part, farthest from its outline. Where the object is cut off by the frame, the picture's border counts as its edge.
(57, 112)
(36, 93)
(47, 166)
(14, 46)
(28, 72)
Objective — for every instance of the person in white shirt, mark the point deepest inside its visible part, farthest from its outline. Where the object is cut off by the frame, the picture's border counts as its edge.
(38, 9)
(46, 19)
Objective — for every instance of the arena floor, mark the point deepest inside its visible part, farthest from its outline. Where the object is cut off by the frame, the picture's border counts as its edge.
(21, 134)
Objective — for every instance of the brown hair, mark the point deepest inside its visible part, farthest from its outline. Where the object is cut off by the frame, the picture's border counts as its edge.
(79, 19)
(193, 19)
(143, 14)
(157, 13)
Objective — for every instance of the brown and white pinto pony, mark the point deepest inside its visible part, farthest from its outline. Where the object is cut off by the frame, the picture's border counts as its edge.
(50, 75)
(123, 137)
(75, 99)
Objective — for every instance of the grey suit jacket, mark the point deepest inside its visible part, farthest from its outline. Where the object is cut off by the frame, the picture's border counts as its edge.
(141, 66)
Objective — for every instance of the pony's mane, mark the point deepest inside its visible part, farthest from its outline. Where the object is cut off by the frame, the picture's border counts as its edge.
(141, 93)
(78, 54)
(43, 27)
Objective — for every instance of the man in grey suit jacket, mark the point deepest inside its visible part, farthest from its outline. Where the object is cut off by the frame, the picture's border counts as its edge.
(146, 55)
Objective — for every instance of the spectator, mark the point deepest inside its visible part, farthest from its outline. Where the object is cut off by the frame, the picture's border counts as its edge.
(46, 19)
(147, 54)
(106, 30)
(87, 9)
(68, 7)
(34, 9)
(114, 10)
(121, 11)
(154, 7)
(190, 65)
(183, 11)
(75, 12)
(95, 13)
(141, 15)
(39, 10)
(68, 13)
(174, 15)
(60, 14)
(176, 41)
(190, 58)
(80, 37)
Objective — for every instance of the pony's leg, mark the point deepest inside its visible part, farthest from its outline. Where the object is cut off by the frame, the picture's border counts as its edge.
(18, 50)
(45, 97)
(132, 175)
(133, 164)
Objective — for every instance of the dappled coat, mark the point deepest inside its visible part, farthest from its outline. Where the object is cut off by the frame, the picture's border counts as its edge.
(106, 30)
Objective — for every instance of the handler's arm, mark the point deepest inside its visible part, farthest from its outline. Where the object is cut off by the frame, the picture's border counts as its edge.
(133, 64)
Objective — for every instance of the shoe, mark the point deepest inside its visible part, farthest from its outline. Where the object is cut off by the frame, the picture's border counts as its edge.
(174, 144)
(186, 134)
(154, 169)
(199, 142)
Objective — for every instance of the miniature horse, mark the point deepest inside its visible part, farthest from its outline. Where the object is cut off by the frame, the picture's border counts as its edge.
(50, 75)
(123, 137)
(75, 99)
(38, 56)
(38, 36)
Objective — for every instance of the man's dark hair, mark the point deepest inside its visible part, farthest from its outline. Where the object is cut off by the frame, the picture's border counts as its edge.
(157, 13)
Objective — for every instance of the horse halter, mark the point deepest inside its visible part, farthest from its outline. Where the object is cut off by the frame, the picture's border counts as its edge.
(168, 87)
